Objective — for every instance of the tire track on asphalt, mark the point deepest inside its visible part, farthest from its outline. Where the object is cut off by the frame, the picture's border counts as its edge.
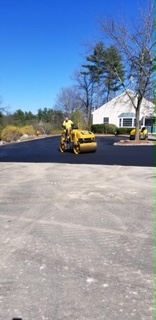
(76, 226)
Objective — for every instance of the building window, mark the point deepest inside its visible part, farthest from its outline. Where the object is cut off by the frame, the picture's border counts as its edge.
(127, 122)
(134, 122)
(120, 122)
(106, 120)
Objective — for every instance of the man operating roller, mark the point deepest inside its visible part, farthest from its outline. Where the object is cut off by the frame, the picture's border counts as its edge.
(67, 125)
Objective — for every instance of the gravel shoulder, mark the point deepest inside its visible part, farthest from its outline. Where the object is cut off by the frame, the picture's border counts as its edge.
(77, 242)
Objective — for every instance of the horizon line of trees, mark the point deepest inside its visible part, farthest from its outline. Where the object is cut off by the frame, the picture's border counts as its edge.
(47, 120)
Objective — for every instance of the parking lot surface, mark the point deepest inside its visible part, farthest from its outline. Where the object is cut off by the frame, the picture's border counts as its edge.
(77, 242)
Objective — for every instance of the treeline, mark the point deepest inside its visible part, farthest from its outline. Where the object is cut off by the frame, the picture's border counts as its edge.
(46, 121)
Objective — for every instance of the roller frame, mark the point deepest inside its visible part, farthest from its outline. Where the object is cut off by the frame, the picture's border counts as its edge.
(80, 141)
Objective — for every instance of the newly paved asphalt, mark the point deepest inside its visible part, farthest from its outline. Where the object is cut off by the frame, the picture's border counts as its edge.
(47, 151)
(77, 240)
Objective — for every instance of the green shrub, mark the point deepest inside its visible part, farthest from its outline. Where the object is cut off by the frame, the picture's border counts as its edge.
(109, 129)
(123, 130)
(78, 119)
(97, 128)
(103, 128)
(11, 133)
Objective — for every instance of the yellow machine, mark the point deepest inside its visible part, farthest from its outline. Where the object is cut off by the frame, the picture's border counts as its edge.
(80, 141)
(143, 134)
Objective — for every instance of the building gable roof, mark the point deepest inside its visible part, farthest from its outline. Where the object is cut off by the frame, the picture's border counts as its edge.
(122, 101)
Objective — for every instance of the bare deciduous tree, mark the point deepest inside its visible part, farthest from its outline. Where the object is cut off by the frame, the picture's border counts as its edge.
(85, 87)
(67, 101)
(137, 45)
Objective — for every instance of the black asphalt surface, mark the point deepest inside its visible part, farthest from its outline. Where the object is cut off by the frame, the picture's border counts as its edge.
(47, 151)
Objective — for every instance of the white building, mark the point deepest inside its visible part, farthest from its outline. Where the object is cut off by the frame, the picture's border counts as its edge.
(120, 111)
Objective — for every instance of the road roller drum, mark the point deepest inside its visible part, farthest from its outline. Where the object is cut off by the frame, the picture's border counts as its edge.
(79, 141)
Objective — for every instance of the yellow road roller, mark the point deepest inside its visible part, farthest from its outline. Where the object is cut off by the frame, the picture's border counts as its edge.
(78, 141)
(143, 134)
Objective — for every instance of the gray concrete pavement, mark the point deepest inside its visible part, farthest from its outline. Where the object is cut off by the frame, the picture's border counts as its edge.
(152, 136)
(77, 242)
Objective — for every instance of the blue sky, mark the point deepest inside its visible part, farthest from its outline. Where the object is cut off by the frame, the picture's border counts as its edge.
(42, 44)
